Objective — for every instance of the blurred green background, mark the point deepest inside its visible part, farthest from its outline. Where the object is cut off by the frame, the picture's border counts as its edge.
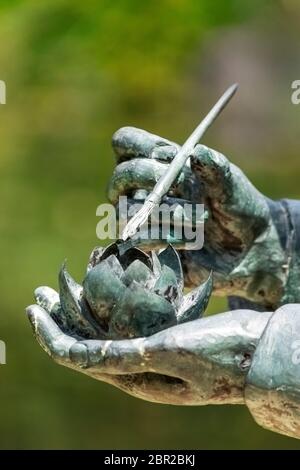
(75, 72)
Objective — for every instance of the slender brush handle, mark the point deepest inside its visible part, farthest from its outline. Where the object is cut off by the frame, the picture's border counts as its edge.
(164, 183)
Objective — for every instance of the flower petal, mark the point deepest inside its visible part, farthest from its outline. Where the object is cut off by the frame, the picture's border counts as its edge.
(109, 250)
(102, 287)
(140, 313)
(139, 272)
(171, 258)
(167, 286)
(76, 312)
(195, 302)
(155, 264)
(95, 257)
(132, 254)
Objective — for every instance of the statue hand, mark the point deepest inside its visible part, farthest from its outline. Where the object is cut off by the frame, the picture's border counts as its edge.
(241, 243)
(238, 357)
(197, 363)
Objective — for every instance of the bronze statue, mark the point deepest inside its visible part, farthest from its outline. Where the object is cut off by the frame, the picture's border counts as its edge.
(111, 328)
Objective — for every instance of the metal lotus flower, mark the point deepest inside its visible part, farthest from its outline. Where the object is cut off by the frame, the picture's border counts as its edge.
(126, 293)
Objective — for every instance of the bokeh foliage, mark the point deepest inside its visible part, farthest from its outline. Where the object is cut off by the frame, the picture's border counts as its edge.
(75, 72)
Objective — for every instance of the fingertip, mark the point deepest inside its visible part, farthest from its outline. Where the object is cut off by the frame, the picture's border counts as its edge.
(40, 318)
(201, 150)
(46, 297)
(211, 159)
(30, 312)
(131, 142)
(122, 137)
(34, 308)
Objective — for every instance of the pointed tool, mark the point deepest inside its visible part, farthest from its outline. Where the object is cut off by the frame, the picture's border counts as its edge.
(166, 180)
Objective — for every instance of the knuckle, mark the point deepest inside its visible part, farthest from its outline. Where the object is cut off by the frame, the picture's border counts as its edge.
(121, 170)
(205, 157)
(165, 153)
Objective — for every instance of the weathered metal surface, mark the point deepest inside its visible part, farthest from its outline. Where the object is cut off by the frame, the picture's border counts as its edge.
(244, 246)
(273, 382)
(252, 245)
(125, 294)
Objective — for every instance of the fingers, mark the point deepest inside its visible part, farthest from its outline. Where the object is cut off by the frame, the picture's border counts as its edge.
(132, 175)
(225, 183)
(239, 211)
(133, 143)
(49, 335)
(130, 142)
(69, 311)
(194, 303)
(62, 348)
(214, 170)
(176, 221)
(99, 359)
(103, 356)
(144, 174)
(48, 299)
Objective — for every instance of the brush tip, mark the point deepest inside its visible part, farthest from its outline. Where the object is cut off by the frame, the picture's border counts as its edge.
(137, 220)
